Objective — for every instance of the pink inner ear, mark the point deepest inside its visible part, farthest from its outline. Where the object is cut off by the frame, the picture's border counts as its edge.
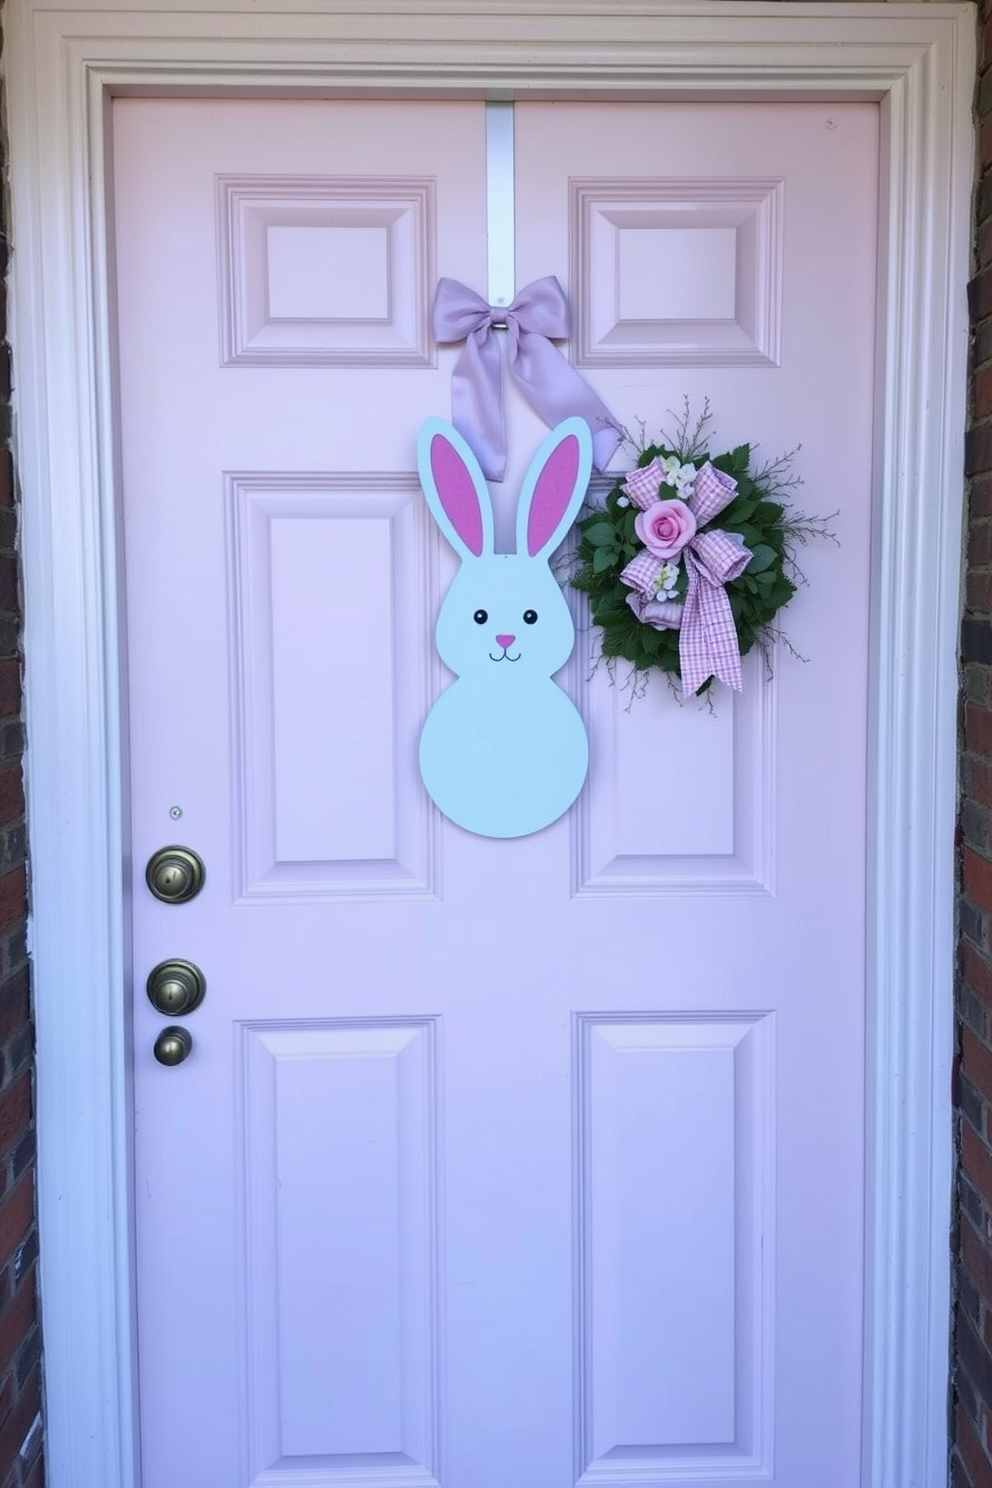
(458, 495)
(552, 494)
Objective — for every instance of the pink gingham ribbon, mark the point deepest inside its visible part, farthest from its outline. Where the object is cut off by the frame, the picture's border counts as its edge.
(642, 485)
(707, 634)
(537, 316)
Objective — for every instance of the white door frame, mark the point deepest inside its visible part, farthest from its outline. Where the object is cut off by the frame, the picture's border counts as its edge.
(62, 63)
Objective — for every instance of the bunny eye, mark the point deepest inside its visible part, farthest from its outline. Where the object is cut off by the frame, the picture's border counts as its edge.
(481, 616)
(530, 617)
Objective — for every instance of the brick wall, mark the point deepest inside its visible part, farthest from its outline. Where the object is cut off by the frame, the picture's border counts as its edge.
(21, 1463)
(972, 1402)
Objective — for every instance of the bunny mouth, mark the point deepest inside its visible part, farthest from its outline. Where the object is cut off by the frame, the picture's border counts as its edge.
(505, 656)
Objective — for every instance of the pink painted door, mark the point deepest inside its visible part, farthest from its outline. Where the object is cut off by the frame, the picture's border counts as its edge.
(495, 1164)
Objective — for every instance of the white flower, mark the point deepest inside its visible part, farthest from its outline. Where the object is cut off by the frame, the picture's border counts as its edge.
(679, 476)
(665, 583)
(623, 501)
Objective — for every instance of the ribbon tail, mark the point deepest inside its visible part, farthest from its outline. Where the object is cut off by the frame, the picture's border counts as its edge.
(477, 401)
(555, 390)
(708, 644)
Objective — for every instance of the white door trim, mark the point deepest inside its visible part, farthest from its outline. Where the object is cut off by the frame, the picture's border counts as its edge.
(62, 60)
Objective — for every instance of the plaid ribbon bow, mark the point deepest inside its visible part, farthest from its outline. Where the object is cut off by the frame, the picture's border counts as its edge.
(707, 634)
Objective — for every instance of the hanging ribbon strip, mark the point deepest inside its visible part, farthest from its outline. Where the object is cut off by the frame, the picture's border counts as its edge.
(707, 633)
(538, 315)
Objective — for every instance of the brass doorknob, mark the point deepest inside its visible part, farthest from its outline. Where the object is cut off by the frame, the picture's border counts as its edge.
(175, 874)
(172, 1046)
(176, 987)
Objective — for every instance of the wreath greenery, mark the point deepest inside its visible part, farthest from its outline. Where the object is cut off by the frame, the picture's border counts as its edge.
(760, 516)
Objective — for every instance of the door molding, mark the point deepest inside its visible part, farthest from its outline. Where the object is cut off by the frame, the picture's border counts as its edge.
(62, 62)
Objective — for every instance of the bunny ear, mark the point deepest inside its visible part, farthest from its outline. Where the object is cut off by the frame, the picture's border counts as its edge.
(554, 488)
(455, 489)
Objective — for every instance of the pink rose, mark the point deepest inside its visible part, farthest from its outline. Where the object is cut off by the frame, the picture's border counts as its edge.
(663, 614)
(665, 528)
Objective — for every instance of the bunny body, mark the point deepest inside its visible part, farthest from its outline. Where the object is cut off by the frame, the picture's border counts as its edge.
(504, 751)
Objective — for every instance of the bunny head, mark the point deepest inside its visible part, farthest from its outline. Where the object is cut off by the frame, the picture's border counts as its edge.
(504, 617)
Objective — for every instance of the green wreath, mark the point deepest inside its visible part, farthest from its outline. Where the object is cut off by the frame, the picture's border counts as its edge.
(766, 527)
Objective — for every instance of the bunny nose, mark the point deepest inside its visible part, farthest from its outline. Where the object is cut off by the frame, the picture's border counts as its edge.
(505, 641)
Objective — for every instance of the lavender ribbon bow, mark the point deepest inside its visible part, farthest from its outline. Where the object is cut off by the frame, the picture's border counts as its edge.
(551, 386)
(708, 644)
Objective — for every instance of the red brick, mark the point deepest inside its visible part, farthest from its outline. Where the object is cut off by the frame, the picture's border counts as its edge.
(976, 1063)
(973, 1453)
(976, 1160)
(980, 299)
(983, 379)
(976, 1259)
(977, 972)
(8, 581)
(11, 794)
(16, 1215)
(10, 688)
(978, 730)
(981, 783)
(14, 1003)
(978, 593)
(17, 1320)
(978, 441)
(15, 1112)
(976, 878)
(13, 897)
(959, 1475)
(6, 1397)
(18, 1423)
(7, 469)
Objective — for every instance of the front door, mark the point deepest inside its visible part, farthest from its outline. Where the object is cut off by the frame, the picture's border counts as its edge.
(494, 1164)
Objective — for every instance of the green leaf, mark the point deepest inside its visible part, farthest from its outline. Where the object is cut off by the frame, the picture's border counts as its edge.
(781, 594)
(762, 557)
(768, 513)
(602, 559)
(600, 534)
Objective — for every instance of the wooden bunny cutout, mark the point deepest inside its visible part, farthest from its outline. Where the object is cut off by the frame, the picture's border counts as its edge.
(504, 751)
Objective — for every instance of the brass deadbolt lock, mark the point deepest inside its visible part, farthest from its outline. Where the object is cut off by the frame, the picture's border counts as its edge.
(175, 874)
(176, 988)
(172, 1046)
